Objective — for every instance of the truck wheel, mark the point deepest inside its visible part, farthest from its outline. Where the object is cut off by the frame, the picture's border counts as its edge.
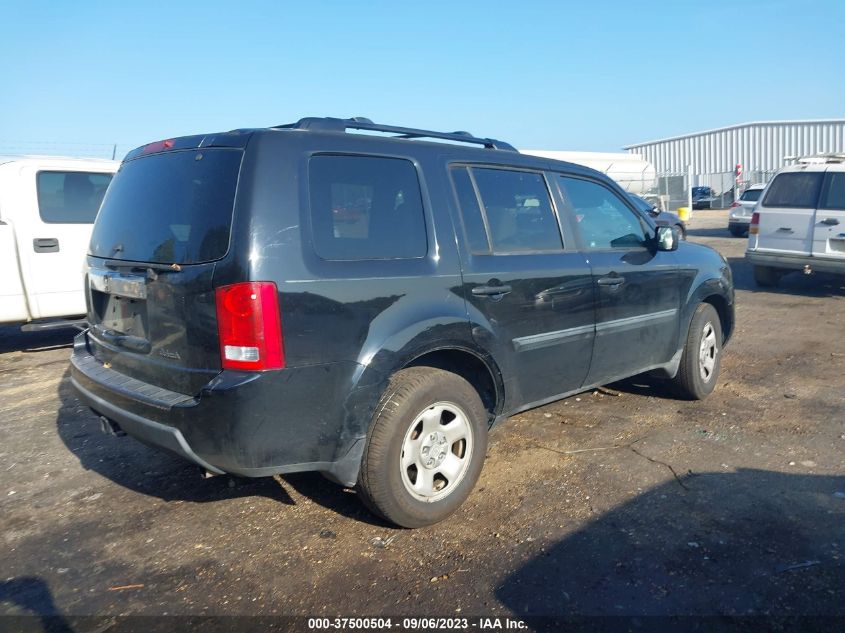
(702, 355)
(682, 231)
(766, 276)
(738, 231)
(425, 447)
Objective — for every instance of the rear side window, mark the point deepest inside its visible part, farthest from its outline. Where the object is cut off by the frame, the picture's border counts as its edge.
(366, 207)
(834, 194)
(794, 190)
(751, 195)
(70, 197)
(518, 210)
(172, 207)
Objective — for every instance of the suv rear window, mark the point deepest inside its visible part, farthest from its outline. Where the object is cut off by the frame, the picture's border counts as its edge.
(70, 197)
(173, 207)
(795, 190)
(366, 207)
(751, 195)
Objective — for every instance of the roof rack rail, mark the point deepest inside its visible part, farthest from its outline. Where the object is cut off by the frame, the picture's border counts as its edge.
(331, 124)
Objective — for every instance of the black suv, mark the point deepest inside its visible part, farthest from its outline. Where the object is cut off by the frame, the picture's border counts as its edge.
(305, 298)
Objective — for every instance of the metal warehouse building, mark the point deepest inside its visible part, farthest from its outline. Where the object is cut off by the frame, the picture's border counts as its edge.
(761, 147)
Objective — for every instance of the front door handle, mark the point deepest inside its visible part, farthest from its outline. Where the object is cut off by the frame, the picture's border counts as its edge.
(491, 291)
(45, 245)
(612, 280)
(830, 221)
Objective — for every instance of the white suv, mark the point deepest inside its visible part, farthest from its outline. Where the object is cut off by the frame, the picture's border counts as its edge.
(799, 223)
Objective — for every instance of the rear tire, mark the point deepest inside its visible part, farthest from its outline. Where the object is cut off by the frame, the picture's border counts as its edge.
(425, 448)
(738, 231)
(702, 355)
(766, 276)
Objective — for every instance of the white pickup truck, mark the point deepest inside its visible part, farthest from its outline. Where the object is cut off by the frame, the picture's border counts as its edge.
(47, 211)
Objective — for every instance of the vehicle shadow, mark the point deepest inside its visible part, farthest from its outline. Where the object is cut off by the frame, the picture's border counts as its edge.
(712, 232)
(13, 340)
(751, 542)
(27, 598)
(148, 471)
(794, 283)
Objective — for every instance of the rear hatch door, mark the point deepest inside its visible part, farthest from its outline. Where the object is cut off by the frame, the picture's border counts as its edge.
(164, 223)
(829, 226)
(787, 213)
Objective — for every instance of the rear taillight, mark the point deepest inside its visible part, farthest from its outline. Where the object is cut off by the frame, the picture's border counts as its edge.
(249, 326)
(734, 205)
(754, 227)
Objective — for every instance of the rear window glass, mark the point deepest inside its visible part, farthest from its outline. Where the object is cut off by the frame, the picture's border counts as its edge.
(173, 207)
(834, 195)
(70, 197)
(751, 195)
(794, 190)
(366, 207)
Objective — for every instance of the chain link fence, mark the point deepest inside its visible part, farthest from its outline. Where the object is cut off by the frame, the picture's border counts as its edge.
(670, 191)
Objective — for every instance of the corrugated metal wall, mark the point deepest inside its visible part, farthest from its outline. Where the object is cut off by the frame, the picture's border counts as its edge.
(756, 146)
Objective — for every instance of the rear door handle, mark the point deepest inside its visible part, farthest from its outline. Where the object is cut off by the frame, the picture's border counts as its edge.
(45, 245)
(491, 291)
(612, 280)
(830, 221)
(785, 229)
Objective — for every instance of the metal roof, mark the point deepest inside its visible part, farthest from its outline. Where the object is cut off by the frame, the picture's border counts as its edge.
(736, 127)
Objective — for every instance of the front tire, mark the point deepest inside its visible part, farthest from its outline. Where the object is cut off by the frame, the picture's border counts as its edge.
(702, 355)
(425, 448)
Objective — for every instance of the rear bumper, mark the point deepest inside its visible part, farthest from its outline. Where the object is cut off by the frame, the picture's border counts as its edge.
(247, 424)
(796, 262)
(147, 431)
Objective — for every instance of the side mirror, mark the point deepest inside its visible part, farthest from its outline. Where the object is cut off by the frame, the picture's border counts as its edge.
(667, 238)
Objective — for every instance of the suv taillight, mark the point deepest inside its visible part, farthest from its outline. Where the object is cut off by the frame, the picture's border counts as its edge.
(754, 227)
(734, 205)
(249, 326)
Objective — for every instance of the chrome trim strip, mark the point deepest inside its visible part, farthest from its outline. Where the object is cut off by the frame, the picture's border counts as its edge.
(133, 287)
(546, 339)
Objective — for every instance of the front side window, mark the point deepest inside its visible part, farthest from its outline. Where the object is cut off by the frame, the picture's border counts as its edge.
(834, 195)
(518, 210)
(603, 219)
(70, 197)
(366, 207)
(794, 190)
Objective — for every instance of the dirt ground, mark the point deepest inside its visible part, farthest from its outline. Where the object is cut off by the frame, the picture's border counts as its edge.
(620, 502)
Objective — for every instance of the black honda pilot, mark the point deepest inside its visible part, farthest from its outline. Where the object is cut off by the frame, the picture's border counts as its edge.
(369, 305)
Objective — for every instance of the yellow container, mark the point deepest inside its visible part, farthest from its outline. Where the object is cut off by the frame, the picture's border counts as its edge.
(683, 213)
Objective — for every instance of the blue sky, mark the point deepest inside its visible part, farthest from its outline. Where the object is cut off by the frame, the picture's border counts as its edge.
(553, 75)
